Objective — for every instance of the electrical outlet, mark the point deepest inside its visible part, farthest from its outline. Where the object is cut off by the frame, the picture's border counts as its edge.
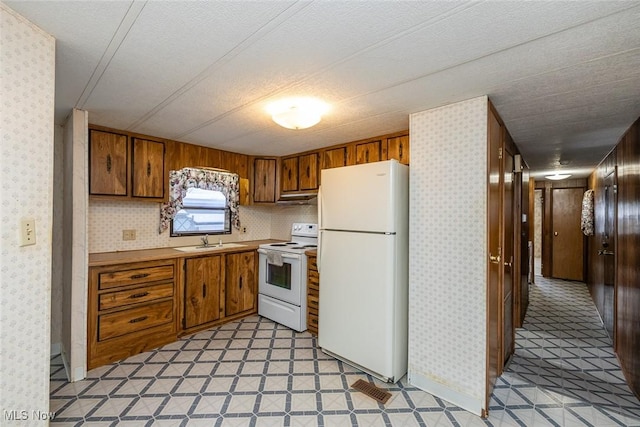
(27, 232)
(128, 234)
(244, 230)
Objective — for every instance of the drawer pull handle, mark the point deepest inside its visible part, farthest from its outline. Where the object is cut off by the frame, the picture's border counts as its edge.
(138, 319)
(308, 172)
(140, 295)
(139, 276)
(109, 163)
(400, 154)
(204, 290)
(148, 168)
(240, 282)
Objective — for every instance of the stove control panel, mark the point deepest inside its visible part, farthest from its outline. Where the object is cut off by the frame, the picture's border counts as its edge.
(304, 229)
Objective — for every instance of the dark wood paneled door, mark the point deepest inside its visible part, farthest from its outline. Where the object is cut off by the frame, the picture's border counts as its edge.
(607, 252)
(567, 251)
(508, 332)
(494, 262)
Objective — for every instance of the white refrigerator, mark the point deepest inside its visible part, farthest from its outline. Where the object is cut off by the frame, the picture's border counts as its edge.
(363, 215)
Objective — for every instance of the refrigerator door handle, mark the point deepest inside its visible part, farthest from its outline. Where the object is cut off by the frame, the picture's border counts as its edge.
(320, 226)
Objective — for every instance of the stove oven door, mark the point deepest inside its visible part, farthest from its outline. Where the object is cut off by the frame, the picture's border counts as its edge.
(281, 281)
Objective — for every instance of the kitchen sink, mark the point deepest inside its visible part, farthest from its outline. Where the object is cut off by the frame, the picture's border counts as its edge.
(201, 248)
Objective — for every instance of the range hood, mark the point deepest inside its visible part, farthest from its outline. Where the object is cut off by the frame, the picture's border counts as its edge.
(298, 198)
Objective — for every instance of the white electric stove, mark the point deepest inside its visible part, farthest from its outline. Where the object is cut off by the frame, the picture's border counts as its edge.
(282, 277)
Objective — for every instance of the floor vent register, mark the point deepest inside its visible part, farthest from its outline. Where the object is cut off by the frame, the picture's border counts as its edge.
(372, 391)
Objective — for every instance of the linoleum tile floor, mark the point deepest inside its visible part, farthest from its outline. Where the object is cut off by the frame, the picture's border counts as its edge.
(257, 373)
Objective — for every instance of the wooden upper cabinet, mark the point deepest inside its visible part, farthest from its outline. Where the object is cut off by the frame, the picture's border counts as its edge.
(108, 163)
(368, 152)
(241, 281)
(264, 180)
(202, 290)
(398, 148)
(148, 168)
(334, 158)
(308, 171)
(289, 174)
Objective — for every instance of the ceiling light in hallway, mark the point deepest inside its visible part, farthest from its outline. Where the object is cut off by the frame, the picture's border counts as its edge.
(558, 176)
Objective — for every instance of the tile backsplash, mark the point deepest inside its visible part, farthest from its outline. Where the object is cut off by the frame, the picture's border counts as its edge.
(108, 218)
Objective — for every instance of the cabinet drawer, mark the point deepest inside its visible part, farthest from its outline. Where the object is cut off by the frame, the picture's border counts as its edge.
(313, 276)
(135, 276)
(135, 319)
(312, 302)
(311, 264)
(135, 296)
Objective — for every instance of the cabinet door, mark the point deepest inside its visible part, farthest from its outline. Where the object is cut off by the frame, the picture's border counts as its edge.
(264, 180)
(202, 290)
(108, 163)
(289, 174)
(240, 287)
(148, 168)
(368, 152)
(398, 148)
(309, 172)
(334, 158)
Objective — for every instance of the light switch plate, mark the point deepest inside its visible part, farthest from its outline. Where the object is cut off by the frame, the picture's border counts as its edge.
(27, 232)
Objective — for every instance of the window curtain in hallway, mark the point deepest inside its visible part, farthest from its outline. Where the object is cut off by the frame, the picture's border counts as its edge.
(181, 180)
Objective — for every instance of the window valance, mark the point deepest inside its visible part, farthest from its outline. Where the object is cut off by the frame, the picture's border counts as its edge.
(181, 180)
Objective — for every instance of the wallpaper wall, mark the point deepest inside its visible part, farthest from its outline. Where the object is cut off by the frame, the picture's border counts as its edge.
(27, 67)
(447, 262)
(107, 219)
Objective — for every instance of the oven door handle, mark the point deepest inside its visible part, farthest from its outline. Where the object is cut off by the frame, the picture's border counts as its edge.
(283, 255)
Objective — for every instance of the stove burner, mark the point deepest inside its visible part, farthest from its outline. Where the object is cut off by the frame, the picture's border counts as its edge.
(310, 246)
(298, 247)
(279, 244)
(291, 243)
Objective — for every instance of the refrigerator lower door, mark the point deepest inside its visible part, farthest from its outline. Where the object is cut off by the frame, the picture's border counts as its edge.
(356, 318)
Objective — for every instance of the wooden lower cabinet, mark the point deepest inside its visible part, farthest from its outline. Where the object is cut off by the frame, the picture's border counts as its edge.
(241, 281)
(131, 309)
(313, 294)
(218, 289)
(202, 279)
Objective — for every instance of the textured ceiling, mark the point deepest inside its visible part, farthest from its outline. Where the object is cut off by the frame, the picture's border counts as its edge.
(564, 76)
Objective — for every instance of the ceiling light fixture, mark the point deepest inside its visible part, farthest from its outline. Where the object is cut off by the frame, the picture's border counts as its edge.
(558, 176)
(297, 113)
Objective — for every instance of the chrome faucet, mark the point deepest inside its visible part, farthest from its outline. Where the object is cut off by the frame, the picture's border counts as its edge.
(205, 240)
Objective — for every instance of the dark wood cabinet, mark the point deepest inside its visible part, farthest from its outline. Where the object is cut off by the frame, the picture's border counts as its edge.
(264, 180)
(313, 294)
(131, 309)
(368, 152)
(108, 163)
(334, 158)
(289, 174)
(299, 173)
(308, 175)
(147, 168)
(202, 290)
(241, 282)
(398, 148)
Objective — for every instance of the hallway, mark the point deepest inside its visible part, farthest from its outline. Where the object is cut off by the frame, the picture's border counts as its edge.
(254, 373)
(564, 371)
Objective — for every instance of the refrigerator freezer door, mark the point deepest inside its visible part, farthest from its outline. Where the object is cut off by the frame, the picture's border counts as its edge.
(360, 197)
(357, 299)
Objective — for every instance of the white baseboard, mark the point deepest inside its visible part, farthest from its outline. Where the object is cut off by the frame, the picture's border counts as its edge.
(462, 400)
(65, 362)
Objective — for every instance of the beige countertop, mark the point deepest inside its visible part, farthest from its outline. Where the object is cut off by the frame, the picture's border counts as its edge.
(121, 257)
